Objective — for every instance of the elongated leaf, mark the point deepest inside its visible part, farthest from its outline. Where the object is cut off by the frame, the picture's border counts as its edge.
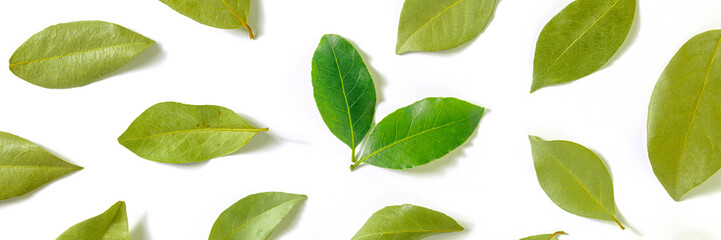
(110, 225)
(343, 90)
(25, 166)
(254, 217)
(406, 222)
(173, 132)
(76, 54)
(684, 133)
(580, 40)
(420, 133)
(434, 25)
(574, 178)
(544, 236)
(226, 14)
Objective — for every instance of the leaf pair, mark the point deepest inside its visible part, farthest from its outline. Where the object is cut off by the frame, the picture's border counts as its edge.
(574, 178)
(551, 236)
(406, 222)
(226, 14)
(110, 225)
(76, 54)
(411, 136)
(580, 39)
(173, 132)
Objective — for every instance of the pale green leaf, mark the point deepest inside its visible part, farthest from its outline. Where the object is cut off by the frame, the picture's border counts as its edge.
(343, 90)
(226, 14)
(435, 25)
(76, 54)
(574, 178)
(580, 39)
(173, 132)
(684, 134)
(544, 236)
(254, 217)
(406, 222)
(110, 225)
(420, 133)
(25, 166)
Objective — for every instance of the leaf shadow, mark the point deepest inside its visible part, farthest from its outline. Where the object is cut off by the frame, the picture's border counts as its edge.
(711, 186)
(630, 38)
(379, 82)
(149, 57)
(255, 21)
(289, 222)
(140, 229)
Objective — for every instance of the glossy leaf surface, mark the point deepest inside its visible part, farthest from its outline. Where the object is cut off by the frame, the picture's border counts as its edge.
(684, 134)
(254, 217)
(581, 39)
(434, 25)
(343, 89)
(173, 132)
(421, 133)
(76, 54)
(110, 225)
(226, 14)
(574, 178)
(406, 222)
(544, 236)
(25, 166)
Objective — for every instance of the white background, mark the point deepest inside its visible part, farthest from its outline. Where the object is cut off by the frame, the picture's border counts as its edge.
(488, 185)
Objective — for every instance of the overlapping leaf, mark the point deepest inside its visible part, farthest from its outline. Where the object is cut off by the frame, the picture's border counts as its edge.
(110, 225)
(406, 222)
(254, 217)
(544, 236)
(227, 14)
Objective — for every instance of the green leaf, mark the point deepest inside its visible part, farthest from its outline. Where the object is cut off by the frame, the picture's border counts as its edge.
(420, 133)
(581, 39)
(25, 166)
(172, 132)
(435, 25)
(76, 54)
(574, 178)
(343, 90)
(406, 222)
(254, 217)
(110, 225)
(226, 14)
(684, 135)
(544, 236)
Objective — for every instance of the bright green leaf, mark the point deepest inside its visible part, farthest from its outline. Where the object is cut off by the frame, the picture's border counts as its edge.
(420, 133)
(25, 166)
(173, 132)
(434, 25)
(343, 90)
(581, 39)
(544, 236)
(406, 222)
(684, 134)
(254, 217)
(110, 225)
(574, 178)
(226, 14)
(76, 54)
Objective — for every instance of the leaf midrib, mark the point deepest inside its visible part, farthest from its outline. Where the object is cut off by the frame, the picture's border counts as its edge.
(112, 221)
(345, 97)
(234, 13)
(259, 215)
(410, 231)
(197, 130)
(40, 167)
(429, 21)
(75, 53)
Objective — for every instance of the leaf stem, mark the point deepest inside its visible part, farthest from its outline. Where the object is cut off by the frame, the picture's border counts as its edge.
(352, 167)
(556, 234)
(250, 31)
(619, 224)
(352, 157)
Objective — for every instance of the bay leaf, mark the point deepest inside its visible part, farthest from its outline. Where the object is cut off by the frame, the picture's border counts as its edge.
(226, 14)
(172, 132)
(75, 54)
(435, 25)
(343, 89)
(254, 217)
(110, 225)
(420, 133)
(545, 236)
(574, 178)
(25, 166)
(406, 222)
(580, 39)
(684, 134)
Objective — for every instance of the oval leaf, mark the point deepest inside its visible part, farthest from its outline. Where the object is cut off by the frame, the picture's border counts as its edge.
(76, 54)
(25, 166)
(254, 217)
(406, 222)
(544, 236)
(343, 90)
(683, 129)
(581, 39)
(226, 14)
(434, 25)
(110, 225)
(172, 132)
(420, 133)
(574, 178)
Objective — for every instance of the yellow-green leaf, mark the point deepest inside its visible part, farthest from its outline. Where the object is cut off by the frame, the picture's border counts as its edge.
(544, 236)
(226, 14)
(406, 222)
(254, 217)
(110, 225)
